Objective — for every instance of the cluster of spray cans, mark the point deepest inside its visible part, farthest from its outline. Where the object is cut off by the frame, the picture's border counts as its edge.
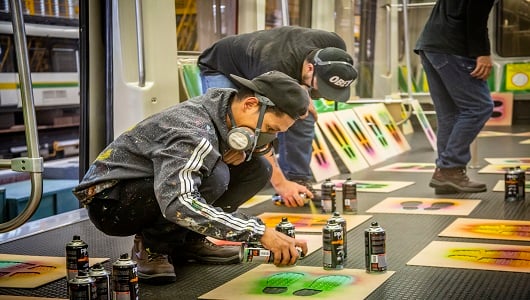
(255, 252)
(514, 184)
(329, 196)
(334, 234)
(95, 283)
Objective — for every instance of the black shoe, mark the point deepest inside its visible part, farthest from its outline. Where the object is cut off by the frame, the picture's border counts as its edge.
(204, 251)
(153, 268)
(454, 179)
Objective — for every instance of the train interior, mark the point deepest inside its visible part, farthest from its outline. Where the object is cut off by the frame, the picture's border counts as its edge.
(90, 59)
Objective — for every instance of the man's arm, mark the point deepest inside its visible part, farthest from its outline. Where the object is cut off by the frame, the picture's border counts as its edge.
(288, 190)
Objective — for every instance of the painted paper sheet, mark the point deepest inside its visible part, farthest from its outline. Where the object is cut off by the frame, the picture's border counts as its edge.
(310, 222)
(502, 109)
(409, 167)
(487, 133)
(424, 122)
(425, 206)
(527, 133)
(257, 199)
(342, 143)
(499, 186)
(270, 282)
(477, 256)
(508, 160)
(370, 186)
(503, 168)
(370, 149)
(379, 115)
(514, 230)
(26, 271)
(322, 163)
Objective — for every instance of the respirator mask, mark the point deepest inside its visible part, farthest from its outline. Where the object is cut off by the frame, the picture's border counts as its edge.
(251, 141)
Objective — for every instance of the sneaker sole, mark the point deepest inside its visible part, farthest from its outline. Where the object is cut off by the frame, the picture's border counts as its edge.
(162, 278)
(214, 260)
(448, 186)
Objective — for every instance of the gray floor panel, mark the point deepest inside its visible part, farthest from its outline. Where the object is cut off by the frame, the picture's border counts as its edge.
(406, 236)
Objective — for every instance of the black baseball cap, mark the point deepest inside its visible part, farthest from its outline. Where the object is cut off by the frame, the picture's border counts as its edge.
(282, 90)
(335, 73)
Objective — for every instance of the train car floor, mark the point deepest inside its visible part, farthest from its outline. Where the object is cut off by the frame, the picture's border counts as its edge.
(407, 235)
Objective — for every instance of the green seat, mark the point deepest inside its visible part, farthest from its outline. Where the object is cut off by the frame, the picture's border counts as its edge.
(192, 80)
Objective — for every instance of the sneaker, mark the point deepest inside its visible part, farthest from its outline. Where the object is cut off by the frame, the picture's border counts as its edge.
(153, 268)
(204, 251)
(454, 180)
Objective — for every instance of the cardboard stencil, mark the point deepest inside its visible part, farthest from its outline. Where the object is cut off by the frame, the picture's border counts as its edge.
(341, 142)
(409, 167)
(425, 206)
(371, 150)
(378, 116)
(267, 281)
(478, 256)
(515, 230)
(26, 271)
(370, 186)
(322, 163)
(310, 222)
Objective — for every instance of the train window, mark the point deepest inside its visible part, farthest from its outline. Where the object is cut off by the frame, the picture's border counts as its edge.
(513, 28)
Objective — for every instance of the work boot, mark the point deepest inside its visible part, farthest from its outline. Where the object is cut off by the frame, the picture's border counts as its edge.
(153, 268)
(204, 251)
(454, 180)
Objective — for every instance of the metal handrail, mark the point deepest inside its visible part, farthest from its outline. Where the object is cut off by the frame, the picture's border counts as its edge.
(33, 163)
(140, 43)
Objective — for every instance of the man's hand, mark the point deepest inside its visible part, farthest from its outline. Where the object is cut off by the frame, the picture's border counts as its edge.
(483, 68)
(283, 247)
(312, 109)
(233, 157)
(290, 192)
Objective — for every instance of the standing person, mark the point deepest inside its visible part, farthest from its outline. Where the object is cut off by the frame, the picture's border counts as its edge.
(455, 53)
(179, 176)
(316, 58)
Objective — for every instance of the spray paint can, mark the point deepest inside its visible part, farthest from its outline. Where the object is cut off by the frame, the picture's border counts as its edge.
(255, 252)
(522, 182)
(333, 246)
(286, 227)
(278, 200)
(125, 279)
(349, 197)
(375, 249)
(511, 185)
(101, 276)
(82, 287)
(342, 222)
(76, 257)
(328, 199)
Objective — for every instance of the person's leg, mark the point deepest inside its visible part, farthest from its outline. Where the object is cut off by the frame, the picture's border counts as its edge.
(474, 106)
(215, 81)
(472, 100)
(128, 209)
(226, 188)
(446, 110)
(295, 149)
(246, 180)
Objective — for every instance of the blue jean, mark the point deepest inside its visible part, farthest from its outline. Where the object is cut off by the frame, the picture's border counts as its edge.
(463, 105)
(295, 145)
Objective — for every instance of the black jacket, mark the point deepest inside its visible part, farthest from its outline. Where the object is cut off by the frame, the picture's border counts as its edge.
(282, 49)
(457, 27)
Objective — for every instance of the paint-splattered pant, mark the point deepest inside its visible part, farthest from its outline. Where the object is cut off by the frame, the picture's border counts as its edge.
(131, 207)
